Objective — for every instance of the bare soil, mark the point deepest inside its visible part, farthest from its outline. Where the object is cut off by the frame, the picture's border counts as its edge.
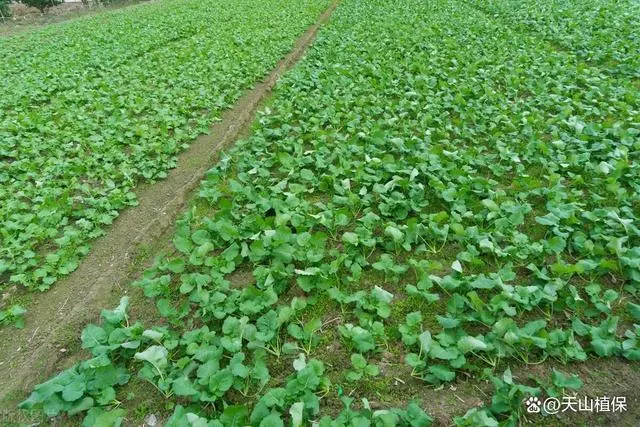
(28, 18)
(50, 339)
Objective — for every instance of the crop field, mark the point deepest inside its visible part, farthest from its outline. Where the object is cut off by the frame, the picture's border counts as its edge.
(433, 221)
(601, 33)
(84, 119)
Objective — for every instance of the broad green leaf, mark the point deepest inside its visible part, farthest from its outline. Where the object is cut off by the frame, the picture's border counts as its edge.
(468, 343)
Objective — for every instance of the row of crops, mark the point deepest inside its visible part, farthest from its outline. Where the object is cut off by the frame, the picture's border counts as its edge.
(432, 195)
(91, 108)
(58, 58)
(598, 33)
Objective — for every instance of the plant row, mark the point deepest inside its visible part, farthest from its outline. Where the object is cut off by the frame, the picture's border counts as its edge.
(68, 166)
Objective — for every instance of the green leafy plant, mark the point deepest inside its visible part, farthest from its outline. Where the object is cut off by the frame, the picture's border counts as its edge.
(413, 415)
(506, 405)
(361, 369)
(306, 334)
(90, 384)
(14, 315)
(359, 338)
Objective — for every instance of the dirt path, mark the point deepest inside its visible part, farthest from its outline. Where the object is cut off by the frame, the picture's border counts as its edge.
(56, 317)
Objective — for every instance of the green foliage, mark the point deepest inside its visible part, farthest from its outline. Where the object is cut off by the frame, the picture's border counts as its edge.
(412, 416)
(14, 316)
(63, 93)
(306, 334)
(5, 10)
(361, 369)
(42, 5)
(359, 338)
(505, 407)
(427, 160)
(91, 384)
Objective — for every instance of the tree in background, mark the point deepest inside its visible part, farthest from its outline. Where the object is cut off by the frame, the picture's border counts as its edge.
(5, 10)
(42, 5)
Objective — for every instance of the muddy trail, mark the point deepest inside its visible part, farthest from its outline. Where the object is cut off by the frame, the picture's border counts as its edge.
(50, 339)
